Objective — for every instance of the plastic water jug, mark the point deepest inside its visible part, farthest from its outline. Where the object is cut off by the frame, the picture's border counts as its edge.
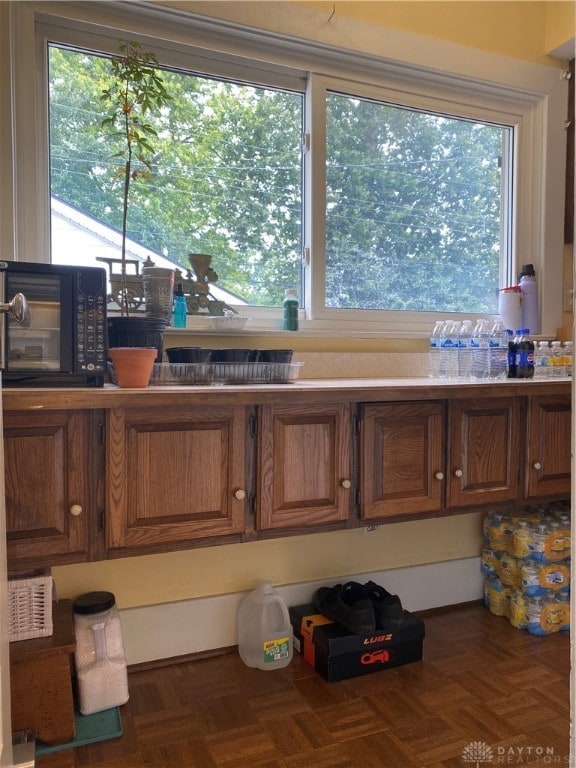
(264, 631)
(99, 657)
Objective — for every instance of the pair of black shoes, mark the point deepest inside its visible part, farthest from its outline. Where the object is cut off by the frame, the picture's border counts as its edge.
(360, 608)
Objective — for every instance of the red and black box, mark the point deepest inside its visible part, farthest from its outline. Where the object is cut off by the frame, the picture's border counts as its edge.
(338, 654)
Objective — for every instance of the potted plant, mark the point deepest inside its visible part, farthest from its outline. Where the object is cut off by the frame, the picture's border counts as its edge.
(136, 90)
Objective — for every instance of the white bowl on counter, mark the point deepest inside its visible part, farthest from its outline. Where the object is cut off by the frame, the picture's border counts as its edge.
(227, 322)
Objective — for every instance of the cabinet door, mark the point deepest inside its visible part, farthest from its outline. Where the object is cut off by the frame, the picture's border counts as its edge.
(304, 466)
(483, 452)
(549, 451)
(174, 475)
(401, 457)
(48, 502)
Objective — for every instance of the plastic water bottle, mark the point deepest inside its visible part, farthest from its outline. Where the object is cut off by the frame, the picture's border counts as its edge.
(569, 356)
(449, 350)
(542, 367)
(434, 349)
(465, 350)
(558, 367)
(529, 290)
(498, 351)
(264, 630)
(480, 345)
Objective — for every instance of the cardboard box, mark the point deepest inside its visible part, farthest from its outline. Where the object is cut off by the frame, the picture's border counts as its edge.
(338, 654)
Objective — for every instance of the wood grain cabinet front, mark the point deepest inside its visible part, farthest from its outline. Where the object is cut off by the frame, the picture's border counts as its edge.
(303, 466)
(483, 451)
(49, 501)
(401, 459)
(174, 476)
(548, 462)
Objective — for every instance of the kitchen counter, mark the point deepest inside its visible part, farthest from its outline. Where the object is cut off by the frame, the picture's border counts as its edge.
(308, 390)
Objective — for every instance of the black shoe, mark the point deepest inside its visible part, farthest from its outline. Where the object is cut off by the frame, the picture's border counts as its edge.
(348, 606)
(388, 611)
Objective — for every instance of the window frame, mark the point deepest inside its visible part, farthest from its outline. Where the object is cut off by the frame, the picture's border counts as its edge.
(531, 97)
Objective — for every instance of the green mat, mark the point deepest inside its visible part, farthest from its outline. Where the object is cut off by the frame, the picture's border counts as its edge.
(89, 729)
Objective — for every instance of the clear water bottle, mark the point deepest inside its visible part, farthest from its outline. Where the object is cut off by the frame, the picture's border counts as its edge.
(569, 356)
(434, 349)
(480, 346)
(498, 351)
(449, 350)
(557, 359)
(465, 350)
(535, 606)
(541, 360)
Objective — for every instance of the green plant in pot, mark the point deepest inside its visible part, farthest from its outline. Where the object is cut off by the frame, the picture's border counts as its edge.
(136, 90)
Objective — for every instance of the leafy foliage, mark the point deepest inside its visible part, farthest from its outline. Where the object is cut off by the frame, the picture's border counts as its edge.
(413, 199)
(136, 88)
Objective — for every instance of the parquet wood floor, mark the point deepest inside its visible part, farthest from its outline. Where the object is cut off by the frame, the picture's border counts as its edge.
(484, 686)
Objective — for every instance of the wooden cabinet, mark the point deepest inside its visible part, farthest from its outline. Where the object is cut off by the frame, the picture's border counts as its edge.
(174, 475)
(405, 470)
(549, 457)
(50, 501)
(483, 451)
(91, 475)
(402, 459)
(304, 472)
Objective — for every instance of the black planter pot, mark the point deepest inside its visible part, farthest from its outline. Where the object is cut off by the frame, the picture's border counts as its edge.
(137, 332)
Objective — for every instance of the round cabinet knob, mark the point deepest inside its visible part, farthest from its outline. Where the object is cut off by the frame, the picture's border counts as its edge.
(439, 475)
(537, 465)
(346, 484)
(75, 510)
(240, 494)
(458, 472)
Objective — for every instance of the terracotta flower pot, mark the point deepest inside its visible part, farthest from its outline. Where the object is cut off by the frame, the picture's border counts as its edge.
(133, 365)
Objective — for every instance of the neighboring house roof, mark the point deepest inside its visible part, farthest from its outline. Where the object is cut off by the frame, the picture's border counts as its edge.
(78, 238)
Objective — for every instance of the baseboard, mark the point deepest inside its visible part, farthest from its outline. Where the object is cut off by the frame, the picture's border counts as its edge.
(206, 624)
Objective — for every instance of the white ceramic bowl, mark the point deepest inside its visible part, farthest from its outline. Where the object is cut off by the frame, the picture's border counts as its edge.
(227, 322)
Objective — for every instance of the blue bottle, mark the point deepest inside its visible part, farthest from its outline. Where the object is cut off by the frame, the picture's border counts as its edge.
(180, 308)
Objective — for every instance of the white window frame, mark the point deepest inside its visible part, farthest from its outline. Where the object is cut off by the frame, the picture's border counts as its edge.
(530, 97)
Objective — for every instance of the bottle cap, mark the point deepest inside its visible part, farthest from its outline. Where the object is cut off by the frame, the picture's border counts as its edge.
(291, 293)
(179, 290)
(528, 271)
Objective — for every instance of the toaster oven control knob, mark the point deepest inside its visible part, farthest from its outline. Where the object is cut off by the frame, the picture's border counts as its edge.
(17, 309)
(75, 510)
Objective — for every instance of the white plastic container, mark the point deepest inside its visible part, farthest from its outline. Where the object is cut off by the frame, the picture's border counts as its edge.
(264, 631)
(99, 657)
(529, 289)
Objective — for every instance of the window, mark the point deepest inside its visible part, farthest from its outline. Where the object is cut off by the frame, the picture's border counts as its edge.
(414, 209)
(226, 177)
(387, 192)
